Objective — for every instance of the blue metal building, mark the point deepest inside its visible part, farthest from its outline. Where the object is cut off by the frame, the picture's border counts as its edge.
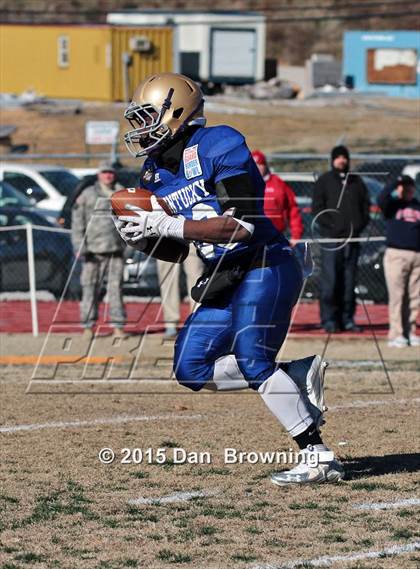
(383, 62)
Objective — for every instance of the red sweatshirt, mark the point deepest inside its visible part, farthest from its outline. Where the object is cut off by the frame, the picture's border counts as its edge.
(280, 206)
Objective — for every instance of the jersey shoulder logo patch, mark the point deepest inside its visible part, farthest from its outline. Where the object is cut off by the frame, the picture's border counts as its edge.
(192, 166)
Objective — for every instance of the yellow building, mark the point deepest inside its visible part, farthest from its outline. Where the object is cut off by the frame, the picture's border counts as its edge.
(83, 62)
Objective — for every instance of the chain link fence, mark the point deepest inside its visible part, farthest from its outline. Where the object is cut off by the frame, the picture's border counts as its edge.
(301, 172)
(38, 256)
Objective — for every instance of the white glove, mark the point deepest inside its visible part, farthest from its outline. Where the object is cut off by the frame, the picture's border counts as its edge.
(135, 240)
(155, 223)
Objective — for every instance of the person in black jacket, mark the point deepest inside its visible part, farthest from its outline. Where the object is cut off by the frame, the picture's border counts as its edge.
(402, 260)
(340, 207)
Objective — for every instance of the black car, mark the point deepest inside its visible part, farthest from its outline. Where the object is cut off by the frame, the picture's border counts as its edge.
(53, 252)
(11, 197)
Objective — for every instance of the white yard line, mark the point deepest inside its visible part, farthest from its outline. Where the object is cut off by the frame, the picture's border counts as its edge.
(409, 502)
(355, 363)
(171, 498)
(361, 404)
(94, 422)
(327, 561)
(128, 419)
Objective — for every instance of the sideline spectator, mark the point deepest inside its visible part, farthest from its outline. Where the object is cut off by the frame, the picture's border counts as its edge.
(279, 200)
(96, 240)
(402, 260)
(340, 206)
(64, 218)
(169, 274)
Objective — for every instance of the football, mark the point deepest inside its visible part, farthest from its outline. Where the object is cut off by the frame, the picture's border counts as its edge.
(161, 248)
(134, 196)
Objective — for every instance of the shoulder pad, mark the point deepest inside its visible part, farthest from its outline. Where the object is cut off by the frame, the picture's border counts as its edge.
(219, 140)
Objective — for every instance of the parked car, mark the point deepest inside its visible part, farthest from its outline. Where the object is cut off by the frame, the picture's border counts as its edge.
(11, 197)
(83, 172)
(48, 186)
(140, 275)
(53, 253)
(141, 278)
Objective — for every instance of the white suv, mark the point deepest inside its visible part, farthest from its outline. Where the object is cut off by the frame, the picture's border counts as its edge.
(47, 186)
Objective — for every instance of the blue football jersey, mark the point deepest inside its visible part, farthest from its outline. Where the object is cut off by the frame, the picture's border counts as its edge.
(210, 156)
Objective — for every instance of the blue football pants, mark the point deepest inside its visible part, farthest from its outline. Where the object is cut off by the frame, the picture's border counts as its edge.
(251, 323)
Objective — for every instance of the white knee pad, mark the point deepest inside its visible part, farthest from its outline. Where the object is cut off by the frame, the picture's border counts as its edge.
(227, 375)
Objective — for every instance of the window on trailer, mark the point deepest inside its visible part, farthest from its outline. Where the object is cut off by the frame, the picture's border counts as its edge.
(63, 51)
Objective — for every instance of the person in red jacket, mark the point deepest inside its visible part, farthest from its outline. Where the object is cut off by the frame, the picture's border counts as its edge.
(279, 200)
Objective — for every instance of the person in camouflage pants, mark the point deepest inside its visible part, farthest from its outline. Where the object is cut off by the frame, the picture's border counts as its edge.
(98, 244)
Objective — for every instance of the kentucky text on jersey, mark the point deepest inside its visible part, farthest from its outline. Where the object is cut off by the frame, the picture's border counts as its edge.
(186, 197)
(199, 185)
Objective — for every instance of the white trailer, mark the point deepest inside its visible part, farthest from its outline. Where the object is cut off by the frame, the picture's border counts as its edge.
(210, 47)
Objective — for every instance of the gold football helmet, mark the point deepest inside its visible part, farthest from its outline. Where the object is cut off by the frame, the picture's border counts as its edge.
(162, 106)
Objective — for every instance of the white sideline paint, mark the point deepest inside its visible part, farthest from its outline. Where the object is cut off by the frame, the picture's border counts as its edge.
(354, 363)
(355, 404)
(94, 422)
(388, 505)
(128, 419)
(171, 498)
(327, 560)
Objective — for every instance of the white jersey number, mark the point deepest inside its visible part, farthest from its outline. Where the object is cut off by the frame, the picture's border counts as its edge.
(205, 211)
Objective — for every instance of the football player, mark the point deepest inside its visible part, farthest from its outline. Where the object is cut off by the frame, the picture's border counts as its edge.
(211, 184)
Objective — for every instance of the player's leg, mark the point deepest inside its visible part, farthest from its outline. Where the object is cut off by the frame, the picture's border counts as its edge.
(89, 280)
(202, 358)
(414, 297)
(351, 255)
(328, 289)
(168, 274)
(308, 373)
(204, 338)
(227, 376)
(117, 314)
(396, 280)
(261, 311)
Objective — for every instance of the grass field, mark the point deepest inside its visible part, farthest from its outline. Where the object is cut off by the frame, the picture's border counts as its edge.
(60, 507)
